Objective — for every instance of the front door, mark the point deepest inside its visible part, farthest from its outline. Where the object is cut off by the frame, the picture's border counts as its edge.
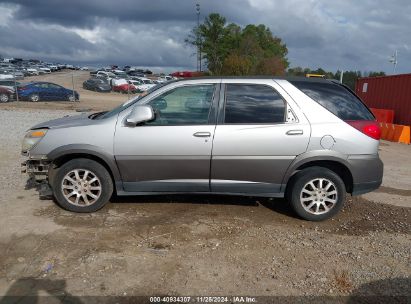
(257, 137)
(173, 152)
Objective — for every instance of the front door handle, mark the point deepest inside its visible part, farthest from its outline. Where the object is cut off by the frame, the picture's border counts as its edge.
(202, 134)
(294, 132)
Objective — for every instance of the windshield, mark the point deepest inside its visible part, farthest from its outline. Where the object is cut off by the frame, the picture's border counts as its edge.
(129, 103)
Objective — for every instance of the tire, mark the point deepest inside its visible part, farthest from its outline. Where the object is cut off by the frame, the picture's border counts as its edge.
(34, 97)
(71, 98)
(74, 199)
(316, 193)
(4, 98)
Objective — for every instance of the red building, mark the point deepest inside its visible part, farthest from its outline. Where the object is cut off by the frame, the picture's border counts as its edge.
(388, 92)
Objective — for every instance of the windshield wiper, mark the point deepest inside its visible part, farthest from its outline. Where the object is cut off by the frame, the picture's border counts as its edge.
(95, 115)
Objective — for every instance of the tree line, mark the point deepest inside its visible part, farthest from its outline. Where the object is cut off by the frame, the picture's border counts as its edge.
(231, 50)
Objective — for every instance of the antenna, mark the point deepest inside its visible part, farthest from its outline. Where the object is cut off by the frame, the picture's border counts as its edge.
(394, 60)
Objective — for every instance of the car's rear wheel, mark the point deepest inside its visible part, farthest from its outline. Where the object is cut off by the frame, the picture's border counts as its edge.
(82, 185)
(34, 97)
(316, 193)
(4, 97)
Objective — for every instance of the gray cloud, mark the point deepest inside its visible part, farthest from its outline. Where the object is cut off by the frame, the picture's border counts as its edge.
(319, 33)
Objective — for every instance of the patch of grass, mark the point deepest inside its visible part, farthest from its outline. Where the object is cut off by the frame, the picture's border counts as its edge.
(342, 281)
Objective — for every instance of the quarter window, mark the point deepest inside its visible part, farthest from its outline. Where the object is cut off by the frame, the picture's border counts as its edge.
(187, 105)
(253, 104)
(336, 99)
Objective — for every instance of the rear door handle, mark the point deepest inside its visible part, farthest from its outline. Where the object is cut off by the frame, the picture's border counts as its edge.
(295, 132)
(202, 134)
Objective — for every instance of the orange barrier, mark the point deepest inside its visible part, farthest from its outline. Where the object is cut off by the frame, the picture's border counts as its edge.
(384, 130)
(395, 133)
(383, 115)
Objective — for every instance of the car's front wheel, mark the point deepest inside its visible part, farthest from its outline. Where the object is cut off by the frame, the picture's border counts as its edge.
(82, 185)
(316, 193)
(4, 97)
(71, 98)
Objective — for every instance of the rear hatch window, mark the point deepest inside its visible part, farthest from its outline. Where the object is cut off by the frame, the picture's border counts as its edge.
(337, 99)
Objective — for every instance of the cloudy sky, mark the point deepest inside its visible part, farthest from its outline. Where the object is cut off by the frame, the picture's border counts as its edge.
(339, 34)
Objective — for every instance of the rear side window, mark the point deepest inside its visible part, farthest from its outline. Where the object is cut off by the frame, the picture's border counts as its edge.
(336, 99)
(253, 104)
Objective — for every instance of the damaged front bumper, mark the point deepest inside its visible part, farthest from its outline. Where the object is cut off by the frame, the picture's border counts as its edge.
(36, 167)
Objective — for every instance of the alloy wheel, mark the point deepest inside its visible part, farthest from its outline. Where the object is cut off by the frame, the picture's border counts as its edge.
(4, 98)
(35, 98)
(319, 196)
(81, 187)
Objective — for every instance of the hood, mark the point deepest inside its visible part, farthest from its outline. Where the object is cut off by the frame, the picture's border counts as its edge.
(66, 121)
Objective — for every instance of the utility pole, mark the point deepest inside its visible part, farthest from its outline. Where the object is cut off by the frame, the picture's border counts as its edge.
(15, 85)
(72, 82)
(341, 76)
(198, 38)
(394, 60)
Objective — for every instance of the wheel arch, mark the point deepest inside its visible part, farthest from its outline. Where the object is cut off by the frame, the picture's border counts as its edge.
(64, 154)
(337, 165)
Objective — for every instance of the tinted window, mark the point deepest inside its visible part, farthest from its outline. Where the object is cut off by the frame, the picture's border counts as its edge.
(187, 105)
(336, 99)
(253, 104)
(54, 86)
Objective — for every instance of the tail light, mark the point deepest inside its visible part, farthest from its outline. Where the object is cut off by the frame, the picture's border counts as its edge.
(368, 127)
(22, 88)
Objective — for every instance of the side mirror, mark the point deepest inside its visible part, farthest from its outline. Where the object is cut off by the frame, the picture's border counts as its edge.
(139, 115)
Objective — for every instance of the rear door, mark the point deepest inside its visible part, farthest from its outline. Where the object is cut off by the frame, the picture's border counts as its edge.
(43, 91)
(57, 92)
(260, 131)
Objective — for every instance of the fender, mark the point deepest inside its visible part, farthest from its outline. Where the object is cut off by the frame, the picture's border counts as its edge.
(316, 155)
(89, 150)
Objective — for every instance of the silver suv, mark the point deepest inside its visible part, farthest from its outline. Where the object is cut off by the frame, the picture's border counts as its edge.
(309, 140)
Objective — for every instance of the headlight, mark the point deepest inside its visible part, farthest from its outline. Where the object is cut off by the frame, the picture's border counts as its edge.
(32, 138)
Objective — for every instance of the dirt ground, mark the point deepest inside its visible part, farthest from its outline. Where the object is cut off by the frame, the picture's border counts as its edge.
(88, 99)
(199, 245)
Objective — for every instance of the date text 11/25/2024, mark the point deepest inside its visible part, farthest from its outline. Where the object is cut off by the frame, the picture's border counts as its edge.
(203, 299)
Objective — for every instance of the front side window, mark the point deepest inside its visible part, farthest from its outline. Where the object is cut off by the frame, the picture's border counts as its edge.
(253, 104)
(187, 105)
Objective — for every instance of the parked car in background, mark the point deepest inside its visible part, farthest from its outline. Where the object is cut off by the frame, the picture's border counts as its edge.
(6, 75)
(148, 83)
(40, 71)
(46, 70)
(140, 85)
(42, 91)
(136, 73)
(107, 75)
(120, 74)
(97, 84)
(137, 84)
(33, 72)
(163, 79)
(19, 74)
(6, 95)
(9, 84)
(311, 141)
(121, 85)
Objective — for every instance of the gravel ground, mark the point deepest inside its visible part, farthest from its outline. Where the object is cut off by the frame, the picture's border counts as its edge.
(195, 245)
